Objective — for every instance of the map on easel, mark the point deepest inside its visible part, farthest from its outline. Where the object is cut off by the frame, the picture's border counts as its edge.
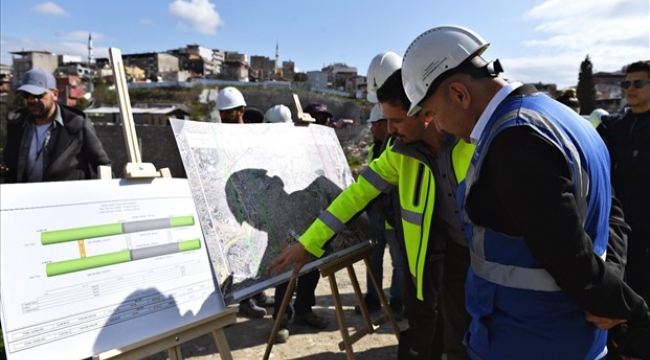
(257, 187)
(91, 266)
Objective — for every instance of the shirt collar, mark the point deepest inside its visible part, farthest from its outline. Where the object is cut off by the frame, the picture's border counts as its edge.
(489, 110)
(57, 117)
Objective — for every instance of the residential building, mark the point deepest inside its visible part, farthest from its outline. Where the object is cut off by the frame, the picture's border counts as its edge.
(66, 59)
(23, 61)
(262, 68)
(5, 79)
(199, 61)
(609, 94)
(288, 70)
(153, 64)
(338, 75)
(70, 88)
(317, 80)
(235, 67)
(78, 69)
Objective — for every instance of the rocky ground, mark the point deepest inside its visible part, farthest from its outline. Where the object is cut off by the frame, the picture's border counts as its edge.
(247, 338)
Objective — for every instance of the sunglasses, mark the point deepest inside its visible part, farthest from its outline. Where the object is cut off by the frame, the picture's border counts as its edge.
(638, 84)
(28, 96)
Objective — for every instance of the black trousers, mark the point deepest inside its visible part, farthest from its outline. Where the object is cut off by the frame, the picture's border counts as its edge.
(305, 294)
(455, 317)
(418, 341)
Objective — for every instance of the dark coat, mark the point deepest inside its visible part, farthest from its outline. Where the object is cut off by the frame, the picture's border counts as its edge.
(73, 153)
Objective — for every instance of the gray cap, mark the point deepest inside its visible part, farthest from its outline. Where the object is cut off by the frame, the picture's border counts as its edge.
(37, 81)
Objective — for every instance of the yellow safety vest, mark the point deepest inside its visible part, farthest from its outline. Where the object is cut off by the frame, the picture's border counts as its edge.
(416, 188)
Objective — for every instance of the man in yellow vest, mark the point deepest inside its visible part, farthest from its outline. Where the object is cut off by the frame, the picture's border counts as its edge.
(408, 164)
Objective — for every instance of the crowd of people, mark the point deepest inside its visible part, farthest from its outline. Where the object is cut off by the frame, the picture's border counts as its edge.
(516, 228)
(538, 244)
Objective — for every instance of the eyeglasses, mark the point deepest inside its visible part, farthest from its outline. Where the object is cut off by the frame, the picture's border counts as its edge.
(28, 96)
(638, 84)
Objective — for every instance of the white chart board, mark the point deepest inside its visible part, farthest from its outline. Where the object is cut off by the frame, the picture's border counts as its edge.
(91, 266)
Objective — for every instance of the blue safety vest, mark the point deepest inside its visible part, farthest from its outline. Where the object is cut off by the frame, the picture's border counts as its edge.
(518, 311)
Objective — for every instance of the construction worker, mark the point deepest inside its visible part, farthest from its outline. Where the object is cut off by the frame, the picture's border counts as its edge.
(278, 114)
(409, 165)
(381, 216)
(535, 202)
(231, 105)
(380, 212)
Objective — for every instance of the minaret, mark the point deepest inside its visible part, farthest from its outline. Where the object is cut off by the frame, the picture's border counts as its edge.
(277, 56)
(90, 49)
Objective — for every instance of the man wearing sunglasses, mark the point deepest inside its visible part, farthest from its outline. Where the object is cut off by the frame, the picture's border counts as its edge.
(47, 141)
(628, 139)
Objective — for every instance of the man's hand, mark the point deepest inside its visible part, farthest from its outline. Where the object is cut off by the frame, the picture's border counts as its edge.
(293, 255)
(603, 323)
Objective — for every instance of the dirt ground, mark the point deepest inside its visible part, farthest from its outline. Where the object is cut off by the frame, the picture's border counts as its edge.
(247, 338)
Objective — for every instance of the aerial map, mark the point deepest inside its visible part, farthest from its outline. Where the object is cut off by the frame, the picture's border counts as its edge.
(257, 187)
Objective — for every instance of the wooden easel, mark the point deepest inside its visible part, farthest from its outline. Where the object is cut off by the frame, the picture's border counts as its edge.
(329, 270)
(136, 169)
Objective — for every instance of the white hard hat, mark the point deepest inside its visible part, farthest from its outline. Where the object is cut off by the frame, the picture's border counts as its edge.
(278, 114)
(381, 67)
(595, 118)
(433, 53)
(375, 114)
(229, 98)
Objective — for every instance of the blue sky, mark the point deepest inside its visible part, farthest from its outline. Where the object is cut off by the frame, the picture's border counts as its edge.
(536, 40)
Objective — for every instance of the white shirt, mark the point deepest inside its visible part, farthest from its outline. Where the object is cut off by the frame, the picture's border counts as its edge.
(489, 110)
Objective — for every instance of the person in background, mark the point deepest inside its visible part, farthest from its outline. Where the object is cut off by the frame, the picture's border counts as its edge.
(253, 116)
(569, 97)
(383, 230)
(627, 136)
(48, 141)
(537, 207)
(278, 114)
(232, 108)
(319, 112)
(231, 105)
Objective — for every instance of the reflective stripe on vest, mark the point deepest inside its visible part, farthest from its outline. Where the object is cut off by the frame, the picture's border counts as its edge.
(516, 276)
(376, 180)
(332, 221)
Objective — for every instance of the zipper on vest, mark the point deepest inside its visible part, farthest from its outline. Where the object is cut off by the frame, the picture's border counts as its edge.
(418, 184)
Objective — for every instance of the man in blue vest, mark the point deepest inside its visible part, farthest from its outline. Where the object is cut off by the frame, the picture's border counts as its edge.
(536, 203)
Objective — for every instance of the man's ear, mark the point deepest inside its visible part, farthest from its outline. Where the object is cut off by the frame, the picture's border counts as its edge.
(459, 93)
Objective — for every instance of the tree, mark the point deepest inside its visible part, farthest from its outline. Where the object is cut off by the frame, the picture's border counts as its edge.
(82, 104)
(586, 89)
(102, 94)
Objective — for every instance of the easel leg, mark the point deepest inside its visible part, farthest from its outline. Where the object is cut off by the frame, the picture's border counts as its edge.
(382, 298)
(174, 353)
(222, 344)
(367, 323)
(341, 317)
(278, 320)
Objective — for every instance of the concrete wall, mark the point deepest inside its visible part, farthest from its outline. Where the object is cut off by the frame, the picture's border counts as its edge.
(157, 146)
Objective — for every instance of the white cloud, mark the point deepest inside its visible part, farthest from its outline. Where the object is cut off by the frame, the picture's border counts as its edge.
(147, 22)
(613, 34)
(200, 13)
(50, 8)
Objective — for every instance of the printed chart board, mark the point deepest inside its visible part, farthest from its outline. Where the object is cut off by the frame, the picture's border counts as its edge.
(91, 266)
(257, 188)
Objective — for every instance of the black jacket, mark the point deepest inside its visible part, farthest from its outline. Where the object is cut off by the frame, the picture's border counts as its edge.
(73, 153)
